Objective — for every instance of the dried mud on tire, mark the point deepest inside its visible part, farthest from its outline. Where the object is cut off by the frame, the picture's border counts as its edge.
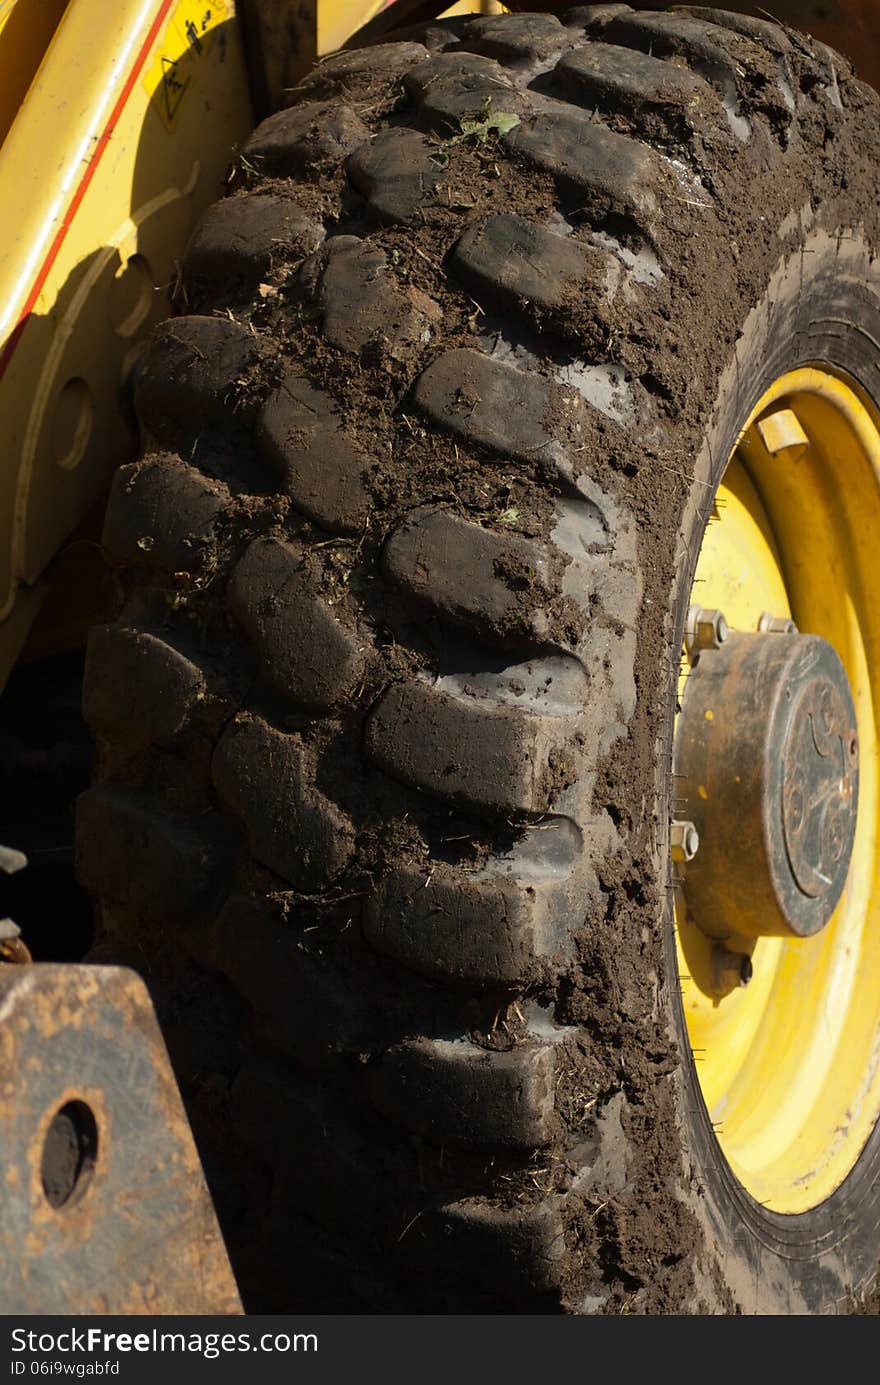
(384, 709)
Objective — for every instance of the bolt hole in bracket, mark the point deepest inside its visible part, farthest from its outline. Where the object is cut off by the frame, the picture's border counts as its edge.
(102, 1183)
(70, 1151)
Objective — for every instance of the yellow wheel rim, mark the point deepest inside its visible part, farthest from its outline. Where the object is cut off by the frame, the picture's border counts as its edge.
(789, 1065)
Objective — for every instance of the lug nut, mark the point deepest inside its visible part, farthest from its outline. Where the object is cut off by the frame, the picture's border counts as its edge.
(777, 625)
(704, 630)
(12, 948)
(730, 970)
(11, 860)
(684, 841)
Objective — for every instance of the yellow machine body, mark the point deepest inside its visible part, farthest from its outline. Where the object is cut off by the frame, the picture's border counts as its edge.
(117, 126)
(120, 138)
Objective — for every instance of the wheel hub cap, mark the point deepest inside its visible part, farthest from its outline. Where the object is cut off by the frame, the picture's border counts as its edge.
(767, 763)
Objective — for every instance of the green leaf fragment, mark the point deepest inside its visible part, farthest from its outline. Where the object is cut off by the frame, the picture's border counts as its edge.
(488, 123)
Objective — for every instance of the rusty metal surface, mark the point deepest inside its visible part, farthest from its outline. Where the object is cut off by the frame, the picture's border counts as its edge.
(767, 756)
(104, 1207)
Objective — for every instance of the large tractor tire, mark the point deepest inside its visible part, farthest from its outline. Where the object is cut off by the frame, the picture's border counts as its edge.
(447, 907)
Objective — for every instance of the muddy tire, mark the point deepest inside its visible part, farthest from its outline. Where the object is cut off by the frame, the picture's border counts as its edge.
(385, 710)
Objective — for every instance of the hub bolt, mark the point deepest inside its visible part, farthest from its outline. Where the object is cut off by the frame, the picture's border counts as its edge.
(12, 948)
(729, 969)
(684, 841)
(705, 629)
(776, 625)
(11, 860)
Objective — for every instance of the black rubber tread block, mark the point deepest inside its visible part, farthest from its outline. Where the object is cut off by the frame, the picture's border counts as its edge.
(195, 371)
(445, 67)
(361, 71)
(475, 929)
(764, 31)
(495, 405)
(611, 78)
(246, 238)
(302, 136)
(455, 86)
(306, 655)
(451, 1091)
(264, 777)
(667, 34)
(451, 102)
(736, 65)
(301, 1006)
(300, 433)
(593, 16)
(437, 35)
(162, 513)
(141, 690)
(395, 172)
(362, 303)
(471, 575)
(517, 1251)
(509, 259)
(482, 754)
(517, 39)
(585, 157)
(165, 869)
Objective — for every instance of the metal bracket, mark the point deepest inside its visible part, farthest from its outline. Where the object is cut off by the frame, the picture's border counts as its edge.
(103, 1204)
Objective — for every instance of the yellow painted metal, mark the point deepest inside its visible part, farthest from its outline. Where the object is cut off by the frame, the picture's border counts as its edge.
(790, 1065)
(781, 431)
(117, 123)
(474, 6)
(123, 138)
(339, 19)
(26, 29)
